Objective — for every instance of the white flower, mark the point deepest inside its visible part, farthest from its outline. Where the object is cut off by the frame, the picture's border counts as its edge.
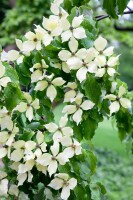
(33, 41)
(73, 148)
(2, 174)
(41, 168)
(106, 66)
(22, 178)
(3, 56)
(5, 119)
(51, 28)
(87, 65)
(3, 187)
(40, 141)
(78, 107)
(52, 160)
(13, 190)
(3, 80)
(7, 137)
(60, 131)
(75, 29)
(118, 100)
(50, 85)
(28, 107)
(62, 181)
(62, 66)
(71, 93)
(38, 71)
(18, 56)
(26, 167)
(100, 45)
(18, 152)
(72, 58)
(58, 11)
(58, 2)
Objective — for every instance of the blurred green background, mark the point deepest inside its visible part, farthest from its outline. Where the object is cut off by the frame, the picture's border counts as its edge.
(114, 163)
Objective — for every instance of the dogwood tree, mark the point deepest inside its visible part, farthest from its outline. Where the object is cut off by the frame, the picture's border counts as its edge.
(58, 62)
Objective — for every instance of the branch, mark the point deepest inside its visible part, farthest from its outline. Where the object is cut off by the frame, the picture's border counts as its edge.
(129, 8)
(119, 28)
(100, 17)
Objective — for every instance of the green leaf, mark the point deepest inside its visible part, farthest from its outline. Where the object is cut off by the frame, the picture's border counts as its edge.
(110, 7)
(11, 73)
(80, 193)
(13, 95)
(122, 5)
(93, 89)
(124, 123)
(33, 125)
(27, 135)
(102, 188)
(89, 126)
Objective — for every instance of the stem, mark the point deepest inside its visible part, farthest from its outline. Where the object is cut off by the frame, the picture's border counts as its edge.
(101, 17)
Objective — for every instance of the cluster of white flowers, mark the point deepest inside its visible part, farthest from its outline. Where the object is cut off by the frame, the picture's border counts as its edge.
(97, 60)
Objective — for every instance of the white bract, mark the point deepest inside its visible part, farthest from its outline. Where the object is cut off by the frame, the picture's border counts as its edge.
(58, 11)
(73, 148)
(51, 85)
(6, 119)
(7, 137)
(52, 27)
(22, 178)
(106, 66)
(63, 181)
(28, 107)
(13, 190)
(38, 70)
(100, 44)
(72, 57)
(52, 160)
(33, 41)
(3, 187)
(4, 80)
(60, 131)
(71, 91)
(62, 66)
(73, 30)
(118, 100)
(78, 108)
(18, 56)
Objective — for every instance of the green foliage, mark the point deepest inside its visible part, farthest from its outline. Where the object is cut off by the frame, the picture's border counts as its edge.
(114, 6)
(92, 89)
(21, 17)
(12, 95)
(115, 172)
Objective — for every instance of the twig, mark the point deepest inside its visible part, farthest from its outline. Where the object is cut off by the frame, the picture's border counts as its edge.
(129, 8)
(100, 17)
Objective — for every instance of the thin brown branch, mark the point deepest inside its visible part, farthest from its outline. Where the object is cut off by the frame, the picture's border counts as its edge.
(129, 8)
(101, 17)
(120, 28)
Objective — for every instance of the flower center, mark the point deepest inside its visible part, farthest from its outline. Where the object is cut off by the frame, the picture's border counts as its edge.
(28, 104)
(60, 14)
(49, 32)
(53, 158)
(9, 113)
(9, 132)
(73, 146)
(73, 54)
(106, 66)
(35, 39)
(101, 52)
(117, 98)
(71, 28)
(65, 183)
